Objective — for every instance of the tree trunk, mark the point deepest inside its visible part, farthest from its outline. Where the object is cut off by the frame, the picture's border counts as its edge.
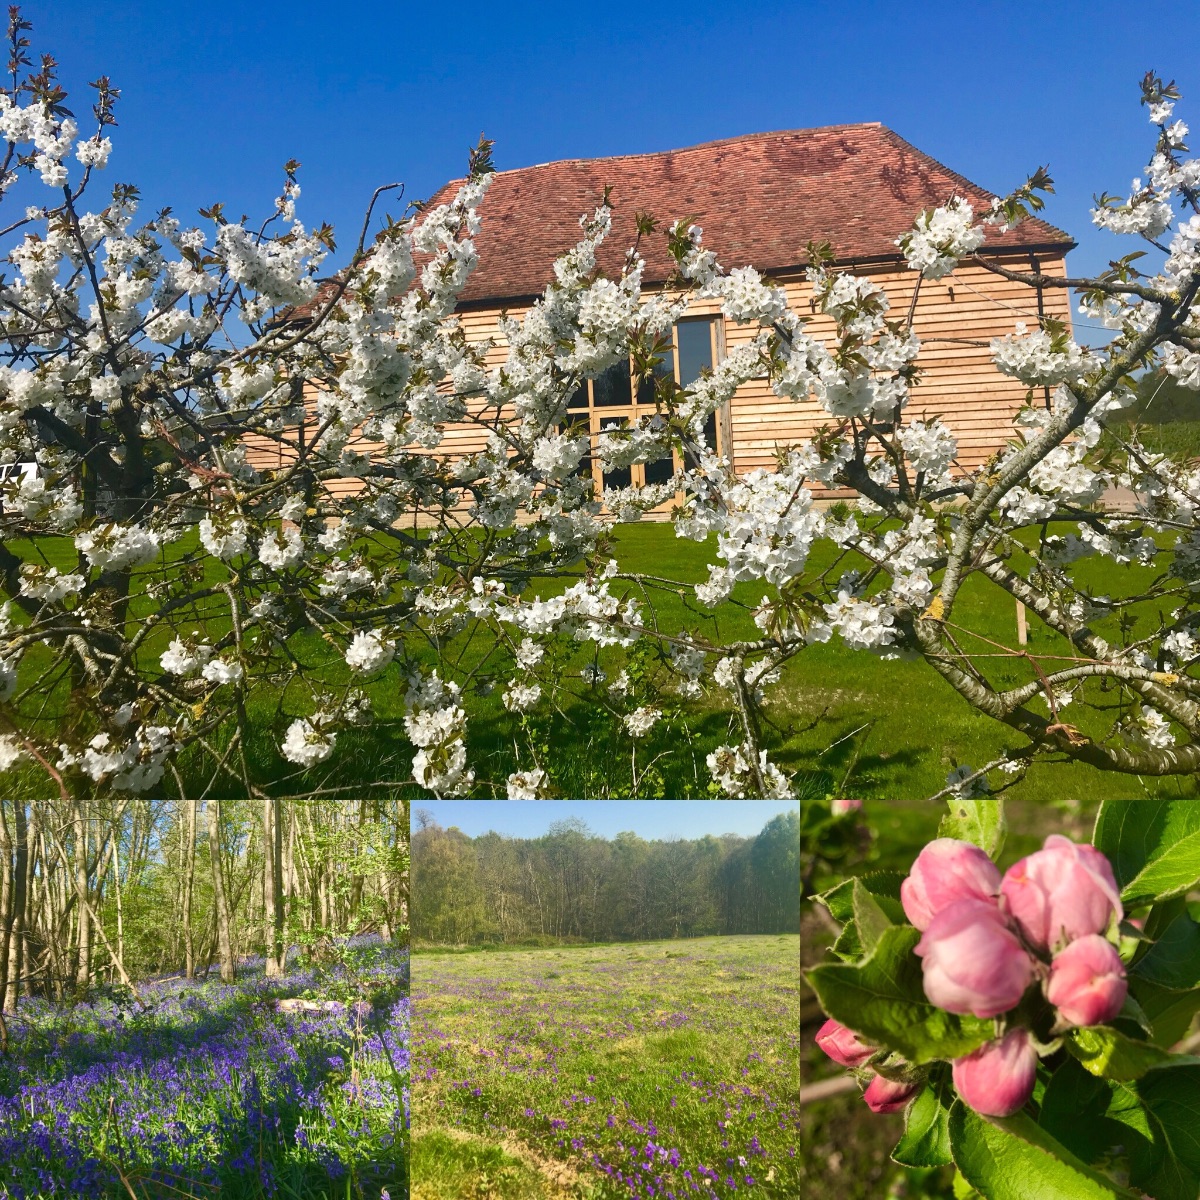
(189, 889)
(83, 970)
(273, 885)
(7, 906)
(220, 894)
(25, 834)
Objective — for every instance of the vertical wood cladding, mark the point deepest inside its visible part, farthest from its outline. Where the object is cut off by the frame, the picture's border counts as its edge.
(958, 380)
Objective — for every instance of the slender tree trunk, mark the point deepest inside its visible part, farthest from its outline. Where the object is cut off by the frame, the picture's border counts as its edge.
(7, 907)
(189, 891)
(25, 834)
(358, 879)
(220, 894)
(116, 861)
(273, 885)
(289, 862)
(83, 971)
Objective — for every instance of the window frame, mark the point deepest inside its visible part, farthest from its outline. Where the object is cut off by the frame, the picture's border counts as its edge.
(598, 415)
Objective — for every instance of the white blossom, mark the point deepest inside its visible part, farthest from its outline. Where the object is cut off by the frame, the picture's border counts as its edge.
(730, 769)
(527, 785)
(639, 722)
(221, 671)
(280, 554)
(940, 237)
(521, 697)
(369, 651)
(223, 540)
(118, 547)
(305, 745)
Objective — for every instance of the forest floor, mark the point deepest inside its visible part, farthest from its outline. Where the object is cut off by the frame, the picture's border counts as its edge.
(633, 1070)
(294, 1088)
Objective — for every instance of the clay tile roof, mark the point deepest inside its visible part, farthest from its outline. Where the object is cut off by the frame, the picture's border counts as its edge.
(760, 199)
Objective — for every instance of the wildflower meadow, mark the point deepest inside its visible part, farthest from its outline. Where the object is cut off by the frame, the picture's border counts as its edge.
(647, 1069)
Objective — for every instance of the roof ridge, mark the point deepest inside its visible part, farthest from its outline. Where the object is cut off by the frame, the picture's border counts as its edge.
(707, 145)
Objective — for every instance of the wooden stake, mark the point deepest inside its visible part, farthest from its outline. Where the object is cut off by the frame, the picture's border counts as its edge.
(1022, 628)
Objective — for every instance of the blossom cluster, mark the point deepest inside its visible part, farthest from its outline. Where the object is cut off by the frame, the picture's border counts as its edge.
(986, 941)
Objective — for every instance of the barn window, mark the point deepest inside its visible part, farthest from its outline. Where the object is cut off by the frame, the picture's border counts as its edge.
(612, 400)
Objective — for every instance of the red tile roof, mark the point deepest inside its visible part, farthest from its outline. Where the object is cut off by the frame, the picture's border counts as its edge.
(759, 199)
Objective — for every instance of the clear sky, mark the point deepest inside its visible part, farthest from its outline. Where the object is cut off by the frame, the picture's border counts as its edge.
(217, 96)
(649, 818)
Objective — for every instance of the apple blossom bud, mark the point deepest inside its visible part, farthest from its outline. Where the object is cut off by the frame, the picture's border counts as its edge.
(997, 1079)
(1061, 892)
(843, 1045)
(886, 1096)
(1087, 982)
(947, 870)
(972, 961)
(839, 808)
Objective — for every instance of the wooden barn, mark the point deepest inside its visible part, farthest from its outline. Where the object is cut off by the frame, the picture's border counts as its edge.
(760, 200)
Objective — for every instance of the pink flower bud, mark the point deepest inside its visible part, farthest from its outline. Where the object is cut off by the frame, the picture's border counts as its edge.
(972, 961)
(839, 808)
(946, 871)
(997, 1079)
(843, 1045)
(885, 1095)
(1062, 892)
(1087, 981)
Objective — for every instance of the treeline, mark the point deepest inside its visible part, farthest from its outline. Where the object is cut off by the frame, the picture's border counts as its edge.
(110, 890)
(574, 885)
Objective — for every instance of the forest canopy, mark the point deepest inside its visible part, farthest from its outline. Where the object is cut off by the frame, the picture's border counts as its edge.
(572, 885)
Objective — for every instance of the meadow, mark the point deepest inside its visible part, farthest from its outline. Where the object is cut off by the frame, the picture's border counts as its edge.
(651, 1069)
(293, 1087)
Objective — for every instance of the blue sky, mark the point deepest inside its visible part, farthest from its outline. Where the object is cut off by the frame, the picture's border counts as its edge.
(648, 818)
(217, 96)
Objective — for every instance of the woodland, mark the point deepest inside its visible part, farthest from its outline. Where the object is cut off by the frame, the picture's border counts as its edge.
(111, 890)
(571, 885)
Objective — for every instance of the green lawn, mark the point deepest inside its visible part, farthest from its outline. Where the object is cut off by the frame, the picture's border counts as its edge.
(839, 720)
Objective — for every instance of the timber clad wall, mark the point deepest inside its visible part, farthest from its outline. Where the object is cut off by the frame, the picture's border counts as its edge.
(958, 382)
(760, 200)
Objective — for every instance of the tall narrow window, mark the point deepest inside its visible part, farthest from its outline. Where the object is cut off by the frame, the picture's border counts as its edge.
(696, 345)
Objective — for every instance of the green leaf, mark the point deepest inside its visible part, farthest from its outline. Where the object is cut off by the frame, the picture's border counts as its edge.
(848, 946)
(1174, 959)
(1111, 1055)
(926, 1140)
(1161, 1115)
(869, 917)
(1073, 1110)
(981, 822)
(1152, 845)
(882, 999)
(883, 885)
(1173, 873)
(1168, 1010)
(1015, 1159)
(962, 1189)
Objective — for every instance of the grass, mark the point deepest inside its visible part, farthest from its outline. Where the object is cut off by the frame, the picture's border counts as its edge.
(451, 1165)
(637, 1069)
(839, 720)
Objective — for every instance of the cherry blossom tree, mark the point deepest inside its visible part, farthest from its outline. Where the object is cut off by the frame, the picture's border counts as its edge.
(158, 585)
